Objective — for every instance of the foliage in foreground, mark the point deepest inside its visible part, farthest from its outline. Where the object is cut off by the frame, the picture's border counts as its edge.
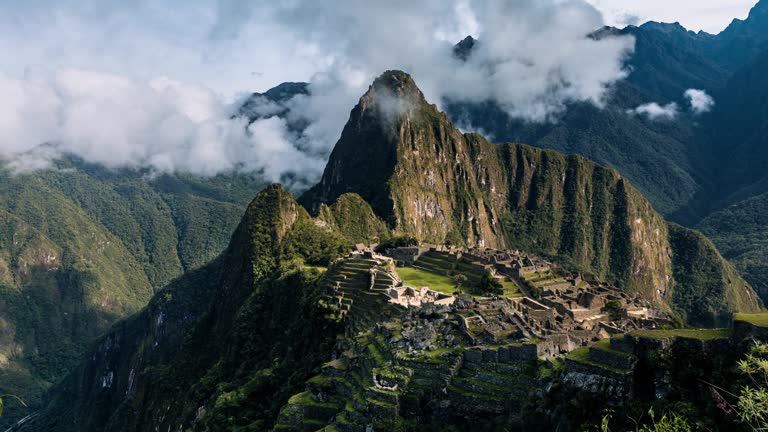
(9, 396)
(752, 405)
(670, 422)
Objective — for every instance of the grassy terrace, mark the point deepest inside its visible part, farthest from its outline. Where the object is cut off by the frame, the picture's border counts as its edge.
(305, 398)
(511, 289)
(701, 334)
(581, 355)
(538, 277)
(429, 357)
(758, 319)
(605, 345)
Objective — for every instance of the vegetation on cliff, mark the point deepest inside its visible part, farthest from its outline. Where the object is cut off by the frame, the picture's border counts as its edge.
(82, 246)
(232, 339)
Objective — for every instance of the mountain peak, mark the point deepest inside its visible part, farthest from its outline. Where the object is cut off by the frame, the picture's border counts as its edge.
(463, 49)
(364, 157)
(393, 93)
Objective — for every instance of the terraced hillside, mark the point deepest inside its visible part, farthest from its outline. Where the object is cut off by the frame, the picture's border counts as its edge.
(375, 379)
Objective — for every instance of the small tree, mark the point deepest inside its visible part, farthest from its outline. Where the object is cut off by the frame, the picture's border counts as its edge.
(489, 285)
(613, 308)
(752, 407)
(459, 281)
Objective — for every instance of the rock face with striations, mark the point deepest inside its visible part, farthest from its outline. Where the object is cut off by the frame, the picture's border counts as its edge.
(429, 180)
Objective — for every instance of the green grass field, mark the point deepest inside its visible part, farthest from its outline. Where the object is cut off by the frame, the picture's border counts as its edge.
(420, 278)
(759, 319)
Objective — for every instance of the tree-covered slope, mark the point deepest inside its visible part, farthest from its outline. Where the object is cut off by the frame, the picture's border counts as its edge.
(82, 246)
(227, 343)
(430, 181)
(741, 233)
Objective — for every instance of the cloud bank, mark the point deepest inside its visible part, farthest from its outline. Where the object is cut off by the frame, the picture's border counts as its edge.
(531, 61)
(161, 124)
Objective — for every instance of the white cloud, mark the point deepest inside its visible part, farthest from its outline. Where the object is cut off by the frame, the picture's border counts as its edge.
(654, 111)
(700, 101)
(531, 61)
(162, 124)
(530, 58)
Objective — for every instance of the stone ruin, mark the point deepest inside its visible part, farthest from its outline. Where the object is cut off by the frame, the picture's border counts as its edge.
(411, 297)
(558, 311)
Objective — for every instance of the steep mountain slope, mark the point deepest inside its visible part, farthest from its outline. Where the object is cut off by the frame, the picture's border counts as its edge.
(737, 129)
(224, 346)
(659, 157)
(82, 246)
(653, 155)
(741, 233)
(430, 181)
(742, 40)
(221, 339)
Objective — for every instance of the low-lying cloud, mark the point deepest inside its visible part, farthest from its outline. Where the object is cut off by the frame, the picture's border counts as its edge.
(162, 124)
(699, 100)
(654, 111)
(534, 58)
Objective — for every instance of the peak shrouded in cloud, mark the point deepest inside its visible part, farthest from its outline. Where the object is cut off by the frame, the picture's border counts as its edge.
(530, 60)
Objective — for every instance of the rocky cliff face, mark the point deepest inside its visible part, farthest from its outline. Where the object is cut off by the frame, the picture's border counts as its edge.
(429, 180)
